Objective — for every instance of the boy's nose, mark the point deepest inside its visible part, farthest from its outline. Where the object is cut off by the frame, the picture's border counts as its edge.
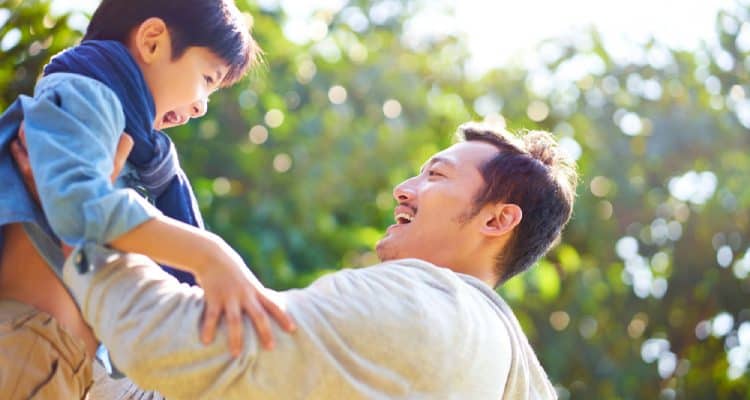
(198, 108)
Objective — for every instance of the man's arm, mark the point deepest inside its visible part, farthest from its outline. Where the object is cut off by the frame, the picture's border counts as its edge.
(359, 335)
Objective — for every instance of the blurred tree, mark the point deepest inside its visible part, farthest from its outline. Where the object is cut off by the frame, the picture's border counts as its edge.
(646, 296)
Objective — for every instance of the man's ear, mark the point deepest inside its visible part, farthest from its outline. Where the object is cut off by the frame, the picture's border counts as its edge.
(151, 40)
(501, 218)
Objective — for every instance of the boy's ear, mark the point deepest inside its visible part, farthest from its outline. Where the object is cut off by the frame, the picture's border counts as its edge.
(151, 40)
(500, 219)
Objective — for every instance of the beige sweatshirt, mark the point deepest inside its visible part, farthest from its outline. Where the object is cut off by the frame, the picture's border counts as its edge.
(399, 330)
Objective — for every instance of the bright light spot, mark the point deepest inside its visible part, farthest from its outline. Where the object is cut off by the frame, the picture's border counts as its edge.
(637, 325)
(355, 18)
(667, 364)
(660, 262)
(722, 324)
(741, 268)
(588, 327)
(743, 39)
(674, 229)
(600, 186)
(282, 162)
(724, 256)
(222, 186)
(702, 330)
(306, 71)
(317, 30)
(258, 134)
(487, 104)
(274, 118)
(559, 320)
(659, 288)
(496, 121)
(357, 53)
(209, 128)
(694, 187)
(631, 124)
(605, 210)
(652, 349)
(248, 99)
(627, 247)
(713, 85)
(743, 334)
(392, 108)
(537, 111)
(4, 15)
(11, 39)
(571, 147)
(384, 10)
(337, 94)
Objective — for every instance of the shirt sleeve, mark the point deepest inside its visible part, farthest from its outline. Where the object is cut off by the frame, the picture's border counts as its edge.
(72, 126)
(355, 337)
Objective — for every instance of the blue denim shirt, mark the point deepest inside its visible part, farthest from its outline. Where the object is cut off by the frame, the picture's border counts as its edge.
(73, 124)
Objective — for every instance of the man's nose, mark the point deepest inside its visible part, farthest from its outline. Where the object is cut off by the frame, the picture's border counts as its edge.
(198, 108)
(404, 191)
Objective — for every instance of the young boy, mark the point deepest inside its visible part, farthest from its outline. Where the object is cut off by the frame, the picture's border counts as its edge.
(144, 65)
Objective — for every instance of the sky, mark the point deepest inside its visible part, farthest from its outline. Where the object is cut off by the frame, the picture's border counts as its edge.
(501, 32)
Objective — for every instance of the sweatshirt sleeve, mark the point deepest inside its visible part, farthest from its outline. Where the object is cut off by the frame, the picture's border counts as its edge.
(356, 337)
(72, 126)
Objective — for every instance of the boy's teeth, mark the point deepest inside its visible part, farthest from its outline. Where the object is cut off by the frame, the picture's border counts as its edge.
(403, 217)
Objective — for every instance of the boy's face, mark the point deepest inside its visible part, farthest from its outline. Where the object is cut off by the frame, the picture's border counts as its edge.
(180, 86)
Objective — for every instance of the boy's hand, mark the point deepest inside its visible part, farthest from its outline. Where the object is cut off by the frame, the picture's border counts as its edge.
(21, 156)
(231, 290)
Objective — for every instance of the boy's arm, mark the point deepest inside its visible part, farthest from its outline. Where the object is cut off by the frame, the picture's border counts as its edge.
(72, 128)
(73, 125)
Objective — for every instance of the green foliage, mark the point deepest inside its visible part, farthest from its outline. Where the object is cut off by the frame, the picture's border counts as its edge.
(647, 295)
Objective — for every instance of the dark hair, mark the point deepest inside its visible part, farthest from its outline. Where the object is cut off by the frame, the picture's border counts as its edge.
(531, 172)
(215, 24)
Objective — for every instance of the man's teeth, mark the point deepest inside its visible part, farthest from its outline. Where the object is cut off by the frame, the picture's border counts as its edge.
(403, 218)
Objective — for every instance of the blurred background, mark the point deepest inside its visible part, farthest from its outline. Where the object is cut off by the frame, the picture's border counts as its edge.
(647, 295)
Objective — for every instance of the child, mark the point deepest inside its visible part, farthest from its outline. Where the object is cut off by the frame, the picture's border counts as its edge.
(144, 65)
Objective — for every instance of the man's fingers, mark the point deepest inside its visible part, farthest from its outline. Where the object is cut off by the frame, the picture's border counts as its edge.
(124, 146)
(260, 320)
(285, 321)
(211, 316)
(233, 315)
(22, 134)
(21, 156)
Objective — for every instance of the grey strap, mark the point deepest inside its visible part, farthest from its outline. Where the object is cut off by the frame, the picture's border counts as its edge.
(47, 247)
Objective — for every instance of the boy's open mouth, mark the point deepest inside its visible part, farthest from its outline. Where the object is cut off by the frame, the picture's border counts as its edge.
(171, 118)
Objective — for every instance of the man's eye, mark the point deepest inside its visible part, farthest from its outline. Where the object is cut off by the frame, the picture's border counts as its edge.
(208, 79)
(434, 173)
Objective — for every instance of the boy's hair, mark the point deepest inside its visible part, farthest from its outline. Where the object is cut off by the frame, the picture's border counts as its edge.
(215, 24)
(531, 172)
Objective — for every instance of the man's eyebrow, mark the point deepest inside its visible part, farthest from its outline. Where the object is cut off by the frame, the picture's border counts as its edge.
(435, 160)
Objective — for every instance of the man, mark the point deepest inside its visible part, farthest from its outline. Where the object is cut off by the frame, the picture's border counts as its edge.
(423, 324)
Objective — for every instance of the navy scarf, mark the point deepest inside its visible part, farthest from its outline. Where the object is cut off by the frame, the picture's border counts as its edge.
(153, 156)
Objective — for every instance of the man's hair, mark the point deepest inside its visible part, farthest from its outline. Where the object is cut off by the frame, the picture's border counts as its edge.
(215, 24)
(533, 173)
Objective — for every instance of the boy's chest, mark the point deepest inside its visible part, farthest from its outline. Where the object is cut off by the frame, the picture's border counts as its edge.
(129, 178)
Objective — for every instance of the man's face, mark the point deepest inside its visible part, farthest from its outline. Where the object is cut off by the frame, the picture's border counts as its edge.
(432, 215)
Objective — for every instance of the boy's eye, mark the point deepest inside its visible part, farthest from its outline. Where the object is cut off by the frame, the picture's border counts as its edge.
(209, 80)
(432, 172)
